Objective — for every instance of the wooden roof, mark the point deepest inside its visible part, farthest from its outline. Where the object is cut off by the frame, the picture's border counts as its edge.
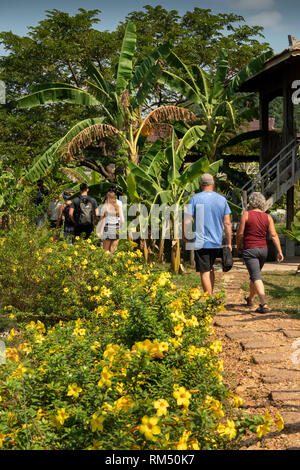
(276, 65)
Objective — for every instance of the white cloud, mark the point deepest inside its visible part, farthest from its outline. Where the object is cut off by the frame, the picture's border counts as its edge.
(270, 20)
(252, 4)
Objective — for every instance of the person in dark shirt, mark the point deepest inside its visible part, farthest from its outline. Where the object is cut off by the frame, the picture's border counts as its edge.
(64, 214)
(38, 202)
(83, 212)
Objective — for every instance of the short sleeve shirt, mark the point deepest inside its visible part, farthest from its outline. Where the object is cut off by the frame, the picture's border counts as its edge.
(208, 209)
(76, 205)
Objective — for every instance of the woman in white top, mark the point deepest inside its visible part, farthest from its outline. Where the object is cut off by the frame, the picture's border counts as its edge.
(110, 222)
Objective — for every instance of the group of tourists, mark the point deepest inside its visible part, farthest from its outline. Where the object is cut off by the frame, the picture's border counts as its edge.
(78, 216)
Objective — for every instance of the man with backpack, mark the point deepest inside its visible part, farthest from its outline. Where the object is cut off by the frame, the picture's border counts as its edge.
(83, 212)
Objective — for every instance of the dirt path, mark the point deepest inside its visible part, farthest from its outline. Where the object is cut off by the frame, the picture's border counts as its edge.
(261, 362)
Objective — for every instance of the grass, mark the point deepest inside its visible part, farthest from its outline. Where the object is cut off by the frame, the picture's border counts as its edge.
(282, 291)
(190, 279)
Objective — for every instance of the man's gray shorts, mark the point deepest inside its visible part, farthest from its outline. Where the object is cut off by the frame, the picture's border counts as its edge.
(254, 259)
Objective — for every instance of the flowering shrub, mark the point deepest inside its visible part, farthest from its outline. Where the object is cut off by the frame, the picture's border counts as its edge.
(130, 363)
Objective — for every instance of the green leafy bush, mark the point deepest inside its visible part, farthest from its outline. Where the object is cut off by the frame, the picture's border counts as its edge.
(130, 363)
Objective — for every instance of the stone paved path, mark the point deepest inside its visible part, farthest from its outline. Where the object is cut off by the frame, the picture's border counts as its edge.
(261, 355)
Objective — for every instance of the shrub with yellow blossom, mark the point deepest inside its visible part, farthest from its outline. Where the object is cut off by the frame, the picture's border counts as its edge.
(123, 361)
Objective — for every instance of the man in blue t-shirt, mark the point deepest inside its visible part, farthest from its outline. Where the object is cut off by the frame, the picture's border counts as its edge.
(210, 213)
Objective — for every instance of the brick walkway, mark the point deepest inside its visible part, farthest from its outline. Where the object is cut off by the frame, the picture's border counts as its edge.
(261, 354)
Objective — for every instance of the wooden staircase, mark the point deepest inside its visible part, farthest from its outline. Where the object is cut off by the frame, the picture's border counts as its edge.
(277, 176)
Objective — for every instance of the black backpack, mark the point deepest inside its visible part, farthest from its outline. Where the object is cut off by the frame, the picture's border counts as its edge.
(85, 212)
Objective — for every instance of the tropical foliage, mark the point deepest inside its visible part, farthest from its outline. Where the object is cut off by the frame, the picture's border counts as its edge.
(128, 362)
(216, 102)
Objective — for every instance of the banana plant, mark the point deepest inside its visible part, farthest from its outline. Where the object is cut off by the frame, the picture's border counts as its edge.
(215, 102)
(120, 106)
(163, 178)
(294, 233)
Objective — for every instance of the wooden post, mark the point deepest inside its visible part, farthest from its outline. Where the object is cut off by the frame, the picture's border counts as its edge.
(290, 202)
(288, 135)
(245, 200)
(264, 127)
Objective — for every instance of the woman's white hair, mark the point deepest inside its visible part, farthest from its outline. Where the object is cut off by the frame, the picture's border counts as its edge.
(257, 201)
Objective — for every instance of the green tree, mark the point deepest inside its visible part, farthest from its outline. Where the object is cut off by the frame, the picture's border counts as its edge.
(120, 105)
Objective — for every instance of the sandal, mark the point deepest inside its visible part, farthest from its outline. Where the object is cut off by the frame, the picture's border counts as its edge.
(262, 309)
(249, 302)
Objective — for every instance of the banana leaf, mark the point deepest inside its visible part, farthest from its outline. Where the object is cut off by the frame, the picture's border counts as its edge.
(193, 171)
(142, 70)
(219, 81)
(254, 67)
(45, 161)
(57, 94)
(124, 71)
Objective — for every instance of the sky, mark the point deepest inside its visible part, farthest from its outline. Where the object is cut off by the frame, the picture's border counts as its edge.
(277, 17)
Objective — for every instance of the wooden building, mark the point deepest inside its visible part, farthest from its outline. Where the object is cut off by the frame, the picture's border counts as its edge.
(280, 76)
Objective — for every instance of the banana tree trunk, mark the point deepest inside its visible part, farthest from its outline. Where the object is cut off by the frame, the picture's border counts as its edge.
(161, 250)
(175, 255)
(144, 249)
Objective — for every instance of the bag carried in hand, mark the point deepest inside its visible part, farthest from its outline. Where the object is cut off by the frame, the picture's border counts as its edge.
(227, 261)
(85, 211)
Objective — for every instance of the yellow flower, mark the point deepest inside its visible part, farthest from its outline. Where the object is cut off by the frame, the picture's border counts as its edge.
(163, 279)
(97, 422)
(19, 371)
(161, 406)
(2, 437)
(194, 444)
(178, 329)
(214, 405)
(104, 292)
(61, 416)
(12, 333)
(149, 428)
(216, 346)
(25, 347)
(176, 342)
(111, 350)
(79, 332)
(262, 430)
(237, 401)
(182, 444)
(105, 377)
(123, 403)
(227, 429)
(196, 351)
(279, 422)
(66, 290)
(40, 414)
(195, 293)
(74, 390)
(95, 346)
(12, 354)
(105, 408)
(182, 396)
